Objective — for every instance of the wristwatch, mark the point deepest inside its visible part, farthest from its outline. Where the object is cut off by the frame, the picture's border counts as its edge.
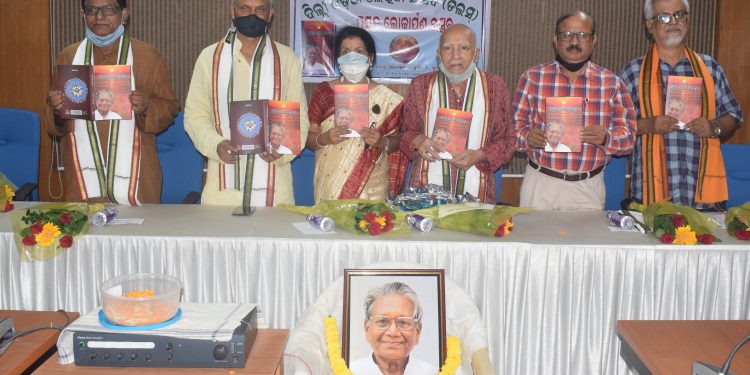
(717, 128)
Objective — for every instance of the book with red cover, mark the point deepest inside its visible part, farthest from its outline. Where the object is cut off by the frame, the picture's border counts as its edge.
(354, 99)
(81, 84)
(563, 123)
(317, 48)
(74, 81)
(451, 131)
(684, 96)
(283, 118)
(261, 125)
(247, 131)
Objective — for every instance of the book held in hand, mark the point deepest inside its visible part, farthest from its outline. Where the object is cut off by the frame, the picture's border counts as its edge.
(317, 48)
(563, 123)
(684, 95)
(352, 110)
(95, 92)
(265, 125)
(451, 131)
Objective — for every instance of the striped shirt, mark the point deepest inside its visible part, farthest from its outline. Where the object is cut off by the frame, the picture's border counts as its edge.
(682, 147)
(606, 103)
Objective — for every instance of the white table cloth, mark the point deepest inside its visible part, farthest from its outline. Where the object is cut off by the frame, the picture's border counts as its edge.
(550, 292)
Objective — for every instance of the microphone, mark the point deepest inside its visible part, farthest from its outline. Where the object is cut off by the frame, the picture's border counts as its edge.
(6, 331)
(701, 368)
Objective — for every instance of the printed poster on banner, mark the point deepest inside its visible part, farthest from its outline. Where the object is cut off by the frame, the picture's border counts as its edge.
(406, 32)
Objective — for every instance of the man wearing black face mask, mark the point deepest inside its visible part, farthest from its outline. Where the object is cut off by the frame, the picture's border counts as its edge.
(129, 146)
(245, 65)
(572, 180)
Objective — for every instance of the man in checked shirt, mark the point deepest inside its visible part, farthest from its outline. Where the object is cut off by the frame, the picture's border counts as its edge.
(572, 180)
(672, 160)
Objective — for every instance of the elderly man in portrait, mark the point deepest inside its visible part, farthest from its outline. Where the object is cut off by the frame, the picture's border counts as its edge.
(392, 328)
(675, 108)
(104, 98)
(244, 65)
(668, 163)
(572, 181)
(276, 136)
(554, 132)
(121, 166)
(311, 64)
(458, 84)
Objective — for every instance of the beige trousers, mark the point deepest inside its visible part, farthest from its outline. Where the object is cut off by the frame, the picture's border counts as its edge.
(548, 193)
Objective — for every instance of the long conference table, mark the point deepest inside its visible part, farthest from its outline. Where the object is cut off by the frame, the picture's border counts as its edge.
(550, 293)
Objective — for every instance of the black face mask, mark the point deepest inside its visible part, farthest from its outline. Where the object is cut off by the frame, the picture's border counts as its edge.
(250, 26)
(571, 67)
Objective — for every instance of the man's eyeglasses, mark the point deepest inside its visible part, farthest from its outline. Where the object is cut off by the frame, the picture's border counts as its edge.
(108, 10)
(680, 16)
(403, 323)
(568, 36)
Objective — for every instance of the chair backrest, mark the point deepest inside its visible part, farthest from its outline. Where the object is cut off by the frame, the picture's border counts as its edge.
(303, 171)
(19, 146)
(614, 181)
(738, 173)
(181, 164)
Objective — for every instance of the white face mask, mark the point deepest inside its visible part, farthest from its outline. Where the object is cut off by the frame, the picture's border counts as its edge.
(354, 66)
(456, 78)
(354, 72)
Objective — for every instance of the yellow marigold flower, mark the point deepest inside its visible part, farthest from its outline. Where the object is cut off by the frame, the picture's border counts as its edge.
(47, 236)
(363, 224)
(9, 193)
(380, 220)
(684, 236)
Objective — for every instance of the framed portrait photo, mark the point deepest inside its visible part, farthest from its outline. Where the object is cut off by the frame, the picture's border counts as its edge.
(394, 318)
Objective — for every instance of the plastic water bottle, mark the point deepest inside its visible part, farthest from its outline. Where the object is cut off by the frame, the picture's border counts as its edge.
(326, 224)
(104, 216)
(621, 220)
(424, 224)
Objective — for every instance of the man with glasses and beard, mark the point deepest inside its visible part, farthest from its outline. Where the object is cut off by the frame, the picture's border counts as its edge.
(244, 65)
(572, 181)
(123, 148)
(684, 166)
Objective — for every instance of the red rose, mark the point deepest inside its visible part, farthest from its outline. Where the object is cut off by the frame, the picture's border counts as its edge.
(369, 217)
(388, 227)
(388, 215)
(742, 234)
(705, 238)
(666, 238)
(36, 228)
(66, 241)
(29, 240)
(65, 218)
(8, 206)
(500, 231)
(375, 229)
(678, 221)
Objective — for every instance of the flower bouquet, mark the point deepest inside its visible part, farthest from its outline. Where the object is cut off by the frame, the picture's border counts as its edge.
(737, 220)
(356, 215)
(46, 231)
(7, 192)
(676, 224)
(478, 218)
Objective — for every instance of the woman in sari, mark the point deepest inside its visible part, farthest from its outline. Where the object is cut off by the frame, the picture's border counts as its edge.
(369, 166)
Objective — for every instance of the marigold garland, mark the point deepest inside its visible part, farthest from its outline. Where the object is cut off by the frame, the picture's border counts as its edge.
(8, 193)
(338, 365)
